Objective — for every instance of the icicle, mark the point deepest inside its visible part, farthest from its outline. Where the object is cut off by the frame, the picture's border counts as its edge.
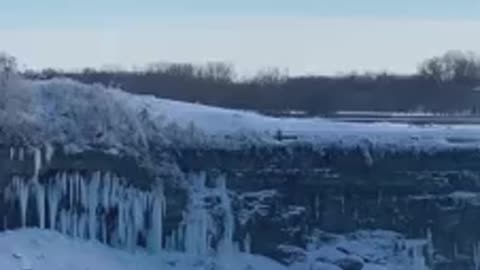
(71, 198)
(21, 154)
(196, 235)
(83, 193)
(62, 178)
(49, 152)
(247, 243)
(82, 226)
(121, 226)
(64, 225)
(40, 198)
(77, 189)
(227, 244)
(92, 205)
(170, 242)
(104, 232)
(21, 189)
(12, 153)
(114, 190)
(157, 220)
(37, 165)
(106, 192)
(74, 223)
(53, 195)
(138, 211)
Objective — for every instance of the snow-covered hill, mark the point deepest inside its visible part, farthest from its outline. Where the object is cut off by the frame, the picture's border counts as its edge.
(80, 116)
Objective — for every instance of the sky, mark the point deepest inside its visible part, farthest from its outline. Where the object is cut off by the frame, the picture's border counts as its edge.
(301, 36)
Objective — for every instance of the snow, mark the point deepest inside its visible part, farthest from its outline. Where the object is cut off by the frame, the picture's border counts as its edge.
(47, 250)
(255, 203)
(375, 249)
(80, 117)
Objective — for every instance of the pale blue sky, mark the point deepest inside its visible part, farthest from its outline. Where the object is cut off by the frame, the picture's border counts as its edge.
(35, 13)
(304, 36)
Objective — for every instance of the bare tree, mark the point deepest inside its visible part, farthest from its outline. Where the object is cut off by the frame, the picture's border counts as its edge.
(181, 70)
(217, 71)
(8, 65)
(452, 66)
(270, 76)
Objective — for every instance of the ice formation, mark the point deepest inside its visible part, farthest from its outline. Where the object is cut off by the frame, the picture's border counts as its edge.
(102, 206)
(21, 193)
(197, 219)
(227, 244)
(247, 243)
(199, 227)
(84, 204)
(415, 251)
(21, 154)
(17, 153)
(158, 212)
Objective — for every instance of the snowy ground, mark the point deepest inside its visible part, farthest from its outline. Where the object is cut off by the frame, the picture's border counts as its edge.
(375, 250)
(33, 249)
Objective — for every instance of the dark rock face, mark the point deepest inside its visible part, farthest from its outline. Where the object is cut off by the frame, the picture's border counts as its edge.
(281, 195)
(340, 191)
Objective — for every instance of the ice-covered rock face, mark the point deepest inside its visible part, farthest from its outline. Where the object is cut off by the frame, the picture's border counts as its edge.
(101, 205)
(230, 205)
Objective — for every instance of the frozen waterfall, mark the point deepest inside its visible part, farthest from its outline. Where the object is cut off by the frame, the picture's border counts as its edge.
(104, 207)
(83, 206)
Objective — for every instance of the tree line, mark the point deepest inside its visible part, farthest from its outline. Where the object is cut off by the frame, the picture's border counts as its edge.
(447, 83)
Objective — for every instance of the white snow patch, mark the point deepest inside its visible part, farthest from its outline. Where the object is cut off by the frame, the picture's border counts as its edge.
(376, 249)
(47, 250)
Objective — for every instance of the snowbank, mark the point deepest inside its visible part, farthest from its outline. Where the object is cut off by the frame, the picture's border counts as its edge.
(373, 249)
(80, 117)
(46, 250)
(34, 249)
